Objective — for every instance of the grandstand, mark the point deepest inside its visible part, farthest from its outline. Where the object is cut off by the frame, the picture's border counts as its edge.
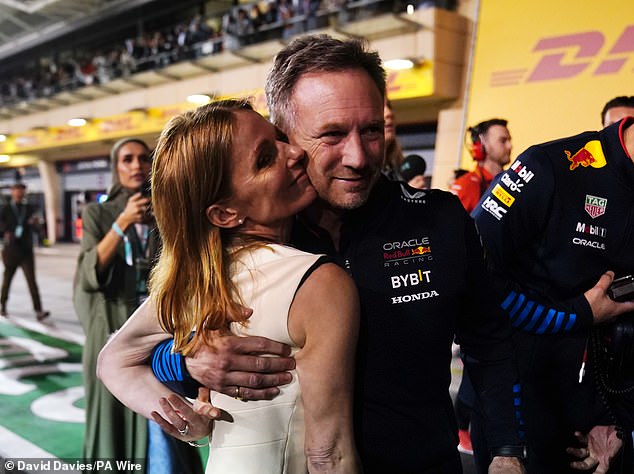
(125, 67)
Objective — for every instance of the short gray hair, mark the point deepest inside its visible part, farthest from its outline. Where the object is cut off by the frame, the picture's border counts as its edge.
(315, 53)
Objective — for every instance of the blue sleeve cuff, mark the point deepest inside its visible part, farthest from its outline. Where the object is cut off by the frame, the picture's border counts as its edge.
(530, 316)
(169, 368)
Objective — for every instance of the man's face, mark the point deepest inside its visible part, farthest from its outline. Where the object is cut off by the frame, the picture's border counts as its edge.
(617, 113)
(17, 193)
(497, 142)
(339, 123)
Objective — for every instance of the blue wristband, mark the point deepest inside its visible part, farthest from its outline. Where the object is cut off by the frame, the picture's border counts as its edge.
(117, 230)
(126, 243)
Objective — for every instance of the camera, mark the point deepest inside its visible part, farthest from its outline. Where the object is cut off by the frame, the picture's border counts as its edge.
(146, 188)
(622, 289)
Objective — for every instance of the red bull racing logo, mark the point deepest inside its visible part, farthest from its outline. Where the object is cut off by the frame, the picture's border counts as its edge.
(421, 250)
(590, 155)
(404, 252)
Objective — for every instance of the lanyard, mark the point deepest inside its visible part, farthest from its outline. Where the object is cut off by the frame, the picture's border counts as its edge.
(143, 239)
(20, 215)
(142, 242)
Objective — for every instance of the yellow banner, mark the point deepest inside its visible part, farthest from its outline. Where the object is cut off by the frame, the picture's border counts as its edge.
(136, 122)
(411, 83)
(416, 82)
(118, 125)
(404, 84)
(256, 96)
(549, 67)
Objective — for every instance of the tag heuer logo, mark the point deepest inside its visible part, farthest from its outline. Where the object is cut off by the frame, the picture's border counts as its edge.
(595, 206)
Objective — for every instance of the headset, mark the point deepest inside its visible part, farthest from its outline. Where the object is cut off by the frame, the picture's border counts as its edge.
(476, 147)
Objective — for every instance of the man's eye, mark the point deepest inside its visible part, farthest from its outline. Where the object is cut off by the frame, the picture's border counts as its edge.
(332, 137)
(374, 130)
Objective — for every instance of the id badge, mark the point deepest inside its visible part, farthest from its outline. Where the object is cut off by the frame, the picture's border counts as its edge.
(142, 272)
(18, 231)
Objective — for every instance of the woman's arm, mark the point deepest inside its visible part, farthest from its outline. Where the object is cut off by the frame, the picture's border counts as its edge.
(134, 212)
(324, 320)
(122, 367)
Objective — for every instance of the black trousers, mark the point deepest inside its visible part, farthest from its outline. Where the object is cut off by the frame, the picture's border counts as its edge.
(12, 260)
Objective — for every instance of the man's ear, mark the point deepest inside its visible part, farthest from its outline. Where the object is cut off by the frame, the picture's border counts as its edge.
(221, 216)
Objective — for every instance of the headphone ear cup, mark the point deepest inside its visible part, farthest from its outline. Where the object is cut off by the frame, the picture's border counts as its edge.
(477, 151)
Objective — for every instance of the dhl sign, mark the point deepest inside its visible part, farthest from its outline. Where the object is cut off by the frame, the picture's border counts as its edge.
(567, 56)
(549, 69)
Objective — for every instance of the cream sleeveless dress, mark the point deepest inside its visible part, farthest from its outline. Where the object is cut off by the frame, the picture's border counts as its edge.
(265, 437)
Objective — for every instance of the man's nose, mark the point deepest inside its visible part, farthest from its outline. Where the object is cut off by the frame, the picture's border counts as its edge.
(354, 153)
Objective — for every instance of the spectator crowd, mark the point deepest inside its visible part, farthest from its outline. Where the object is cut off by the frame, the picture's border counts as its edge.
(242, 25)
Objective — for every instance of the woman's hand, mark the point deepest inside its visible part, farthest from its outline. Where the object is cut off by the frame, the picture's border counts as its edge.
(136, 211)
(184, 421)
(203, 406)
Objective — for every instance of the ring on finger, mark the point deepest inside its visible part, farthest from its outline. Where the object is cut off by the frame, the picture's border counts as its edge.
(237, 396)
(185, 430)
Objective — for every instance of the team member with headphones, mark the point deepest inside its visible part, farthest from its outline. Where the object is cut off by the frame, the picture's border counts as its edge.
(491, 150)
(490, 147)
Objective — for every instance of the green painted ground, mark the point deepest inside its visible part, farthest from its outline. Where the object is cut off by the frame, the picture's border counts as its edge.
(41, 395)
(35, 406)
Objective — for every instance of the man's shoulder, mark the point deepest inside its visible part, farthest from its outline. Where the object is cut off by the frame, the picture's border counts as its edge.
(469, 177)
(401, 195)
(468, 182)
(555, 149)
(556, 156)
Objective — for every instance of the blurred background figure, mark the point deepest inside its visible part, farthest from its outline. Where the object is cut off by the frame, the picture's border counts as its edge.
(17, 221)
(457, 173)
(393, 151)
(118, 246)
(616, 109)
(491, 150)
(412, 171)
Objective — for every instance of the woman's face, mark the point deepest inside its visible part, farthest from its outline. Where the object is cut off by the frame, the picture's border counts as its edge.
(390, 124)
(268, 176)
(133, 165)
